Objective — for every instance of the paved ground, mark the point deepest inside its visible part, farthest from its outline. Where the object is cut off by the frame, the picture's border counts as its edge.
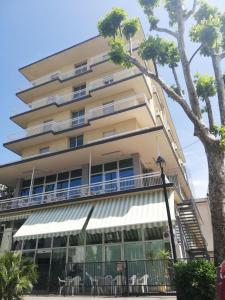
(98, 297)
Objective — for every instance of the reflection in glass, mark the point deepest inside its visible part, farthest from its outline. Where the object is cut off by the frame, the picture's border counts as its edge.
(76, 255)
(113, 252)
(132, 235)
(44, 243)
(133, 251)
(29, 244)
(94, 253)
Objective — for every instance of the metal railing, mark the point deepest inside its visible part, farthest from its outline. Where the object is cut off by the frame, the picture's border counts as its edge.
(77, 70)
(117, 278)
(96, 112)
(101, 82)
(83, 191)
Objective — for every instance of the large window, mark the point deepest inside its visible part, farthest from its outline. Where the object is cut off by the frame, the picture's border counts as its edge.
(44, 243)
(113, 252)
(94, 253)
(133, 251)
(29, 244)
(76, 255)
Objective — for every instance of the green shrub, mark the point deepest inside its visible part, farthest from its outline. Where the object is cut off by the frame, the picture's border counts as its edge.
(195, 280)
(17, 276)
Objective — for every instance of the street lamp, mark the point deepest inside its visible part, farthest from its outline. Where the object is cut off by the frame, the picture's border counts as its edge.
(160, 161)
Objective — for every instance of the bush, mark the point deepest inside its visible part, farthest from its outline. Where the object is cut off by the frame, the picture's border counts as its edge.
(195, 280)
(17, 276)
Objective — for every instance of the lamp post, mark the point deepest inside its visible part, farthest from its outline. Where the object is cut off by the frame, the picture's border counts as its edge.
(160, 161)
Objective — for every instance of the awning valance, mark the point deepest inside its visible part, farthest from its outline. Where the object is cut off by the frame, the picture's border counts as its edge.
(54, 222)
(130, 212)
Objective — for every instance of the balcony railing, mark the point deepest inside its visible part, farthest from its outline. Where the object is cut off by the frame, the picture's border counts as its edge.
(101, 82)
(84, 191)
(78, 70)
(96, 112)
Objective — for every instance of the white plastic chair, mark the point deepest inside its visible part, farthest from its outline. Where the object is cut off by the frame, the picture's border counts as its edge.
(108, 282)
(75, 285)
(143, 281)
(61, 285)
(132, 283)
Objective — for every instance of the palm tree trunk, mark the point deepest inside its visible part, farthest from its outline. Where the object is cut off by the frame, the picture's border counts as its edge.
(210, 113)
(216, 61)
(216, 165)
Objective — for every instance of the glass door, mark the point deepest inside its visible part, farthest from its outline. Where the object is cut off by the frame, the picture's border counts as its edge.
(43, 266)
(77, 118)
(111, 183)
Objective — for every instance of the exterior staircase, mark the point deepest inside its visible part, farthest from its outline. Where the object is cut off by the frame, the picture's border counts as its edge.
(193, 237)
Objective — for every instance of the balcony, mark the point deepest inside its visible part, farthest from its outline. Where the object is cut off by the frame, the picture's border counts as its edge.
(93, 85)
(97, 112)
(127, 184)
(93, 61)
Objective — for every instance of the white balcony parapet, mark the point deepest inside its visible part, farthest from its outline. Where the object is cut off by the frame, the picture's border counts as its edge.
(83, 191)
(101, 82)
(78, 70)
(104, 110)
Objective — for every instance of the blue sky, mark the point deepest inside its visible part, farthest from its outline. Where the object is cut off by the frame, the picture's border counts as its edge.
(31, 30)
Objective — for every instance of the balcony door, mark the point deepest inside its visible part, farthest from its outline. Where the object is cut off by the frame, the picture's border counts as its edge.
(79, 91)
(77, 118)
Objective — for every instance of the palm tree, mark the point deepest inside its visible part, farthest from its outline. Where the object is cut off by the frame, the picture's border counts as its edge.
(17, 276)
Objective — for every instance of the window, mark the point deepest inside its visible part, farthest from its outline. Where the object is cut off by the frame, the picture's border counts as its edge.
(112, 237)
(94, 253)
(113, 253)
(29, 244)
(95, 180)
(132, 235)
(26, 183)
(74, 240)
(44, 243)
(125, 163)
(44, 150)
(80, 68)
(133, 251)
(60, 241)
(50, 178)
(110, 133)
(78, 118)
(16, 245)
(39, 180)
(95, 238)
(50, 187)
(76, 255)
(79, 91)
(64, 175)
(76, 173)
(76, 141)
(24, 192)
(38, 189)
(62, 185)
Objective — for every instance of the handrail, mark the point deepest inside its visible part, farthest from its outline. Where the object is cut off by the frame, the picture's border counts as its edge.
(87, 190)
(95, 112)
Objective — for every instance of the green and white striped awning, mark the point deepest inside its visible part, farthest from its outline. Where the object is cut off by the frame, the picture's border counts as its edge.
(131, 212)
(54, 222)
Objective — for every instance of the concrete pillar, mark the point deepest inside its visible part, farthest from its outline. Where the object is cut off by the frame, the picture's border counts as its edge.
(18, 187)
(136, 164)
(6, 240)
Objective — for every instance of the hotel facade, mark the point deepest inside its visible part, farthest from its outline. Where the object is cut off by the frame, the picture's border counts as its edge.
(87, 193)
